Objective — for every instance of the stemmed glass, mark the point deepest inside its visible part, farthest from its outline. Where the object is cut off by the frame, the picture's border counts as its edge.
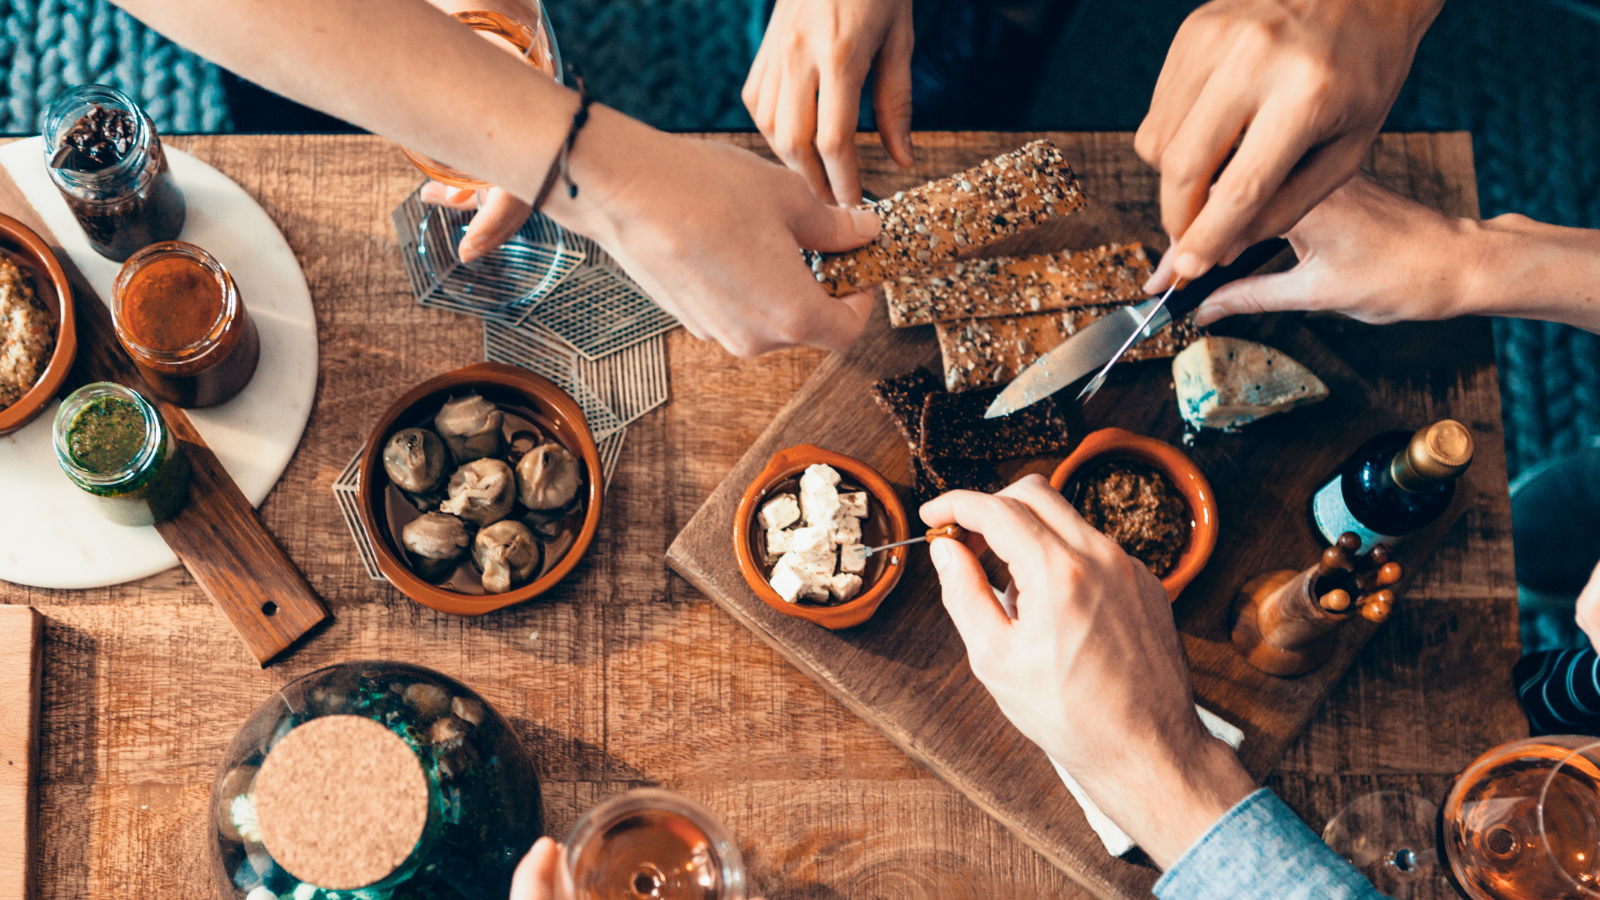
(1521, 823)
(651, 844)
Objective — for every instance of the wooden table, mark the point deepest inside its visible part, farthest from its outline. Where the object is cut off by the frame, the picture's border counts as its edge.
(624, 675)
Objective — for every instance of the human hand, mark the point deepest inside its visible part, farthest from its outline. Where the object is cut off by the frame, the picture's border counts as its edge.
(713, 233)
(1369, 253)
(1589, 608)
(498, 217)
(541, 875)
(1276, 102)
(1091, 669)
(804, 87)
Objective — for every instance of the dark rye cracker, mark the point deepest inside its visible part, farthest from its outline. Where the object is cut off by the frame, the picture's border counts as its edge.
(1004, 285)
(953, 427)
(902, 398)
(942, 219)
(929, 479)
(979, 353)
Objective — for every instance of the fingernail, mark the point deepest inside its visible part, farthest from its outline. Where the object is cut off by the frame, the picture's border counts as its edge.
(468, 250)
(1188, 265)
(1205, 315)
(939, 551)
(1154, 283)
(865, 222)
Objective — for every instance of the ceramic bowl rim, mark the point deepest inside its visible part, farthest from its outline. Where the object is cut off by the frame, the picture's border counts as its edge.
(537, 389)
(65, 352)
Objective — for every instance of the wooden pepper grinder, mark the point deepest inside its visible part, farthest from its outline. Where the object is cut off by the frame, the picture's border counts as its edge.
(1287, 622)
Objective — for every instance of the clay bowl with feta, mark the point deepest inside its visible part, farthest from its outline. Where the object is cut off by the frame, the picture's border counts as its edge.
(38, 343)
(1116, 473)
(801, 531)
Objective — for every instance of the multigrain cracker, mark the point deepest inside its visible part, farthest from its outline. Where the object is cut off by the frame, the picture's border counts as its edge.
(942, 219)
(976, 288)
(902, 398)
(953, 427)
(979, 353)
(931, 478)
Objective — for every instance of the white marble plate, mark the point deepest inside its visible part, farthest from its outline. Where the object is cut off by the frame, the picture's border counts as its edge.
(50, 534)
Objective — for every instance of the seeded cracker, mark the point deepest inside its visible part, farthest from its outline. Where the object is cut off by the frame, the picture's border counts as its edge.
(940, 476)
(979, 353)
(941, 219)
(902, 398)
(975, 288)
(953, 427)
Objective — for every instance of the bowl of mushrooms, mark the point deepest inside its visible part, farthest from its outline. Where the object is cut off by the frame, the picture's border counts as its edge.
(480, 489)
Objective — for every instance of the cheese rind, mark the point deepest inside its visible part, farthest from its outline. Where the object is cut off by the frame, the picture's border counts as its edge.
(1225, 383)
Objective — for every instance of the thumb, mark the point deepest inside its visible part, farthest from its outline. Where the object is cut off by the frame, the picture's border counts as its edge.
(969, 599)
(1257, 294)
(818, 226)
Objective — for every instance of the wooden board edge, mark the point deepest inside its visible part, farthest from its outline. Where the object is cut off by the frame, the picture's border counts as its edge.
(972, 793)
(20, 882)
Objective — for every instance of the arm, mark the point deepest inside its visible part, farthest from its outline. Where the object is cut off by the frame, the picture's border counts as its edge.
(710, 231)
(804, 89)
(1262, 108)
(1092, 671)
(1378, 257)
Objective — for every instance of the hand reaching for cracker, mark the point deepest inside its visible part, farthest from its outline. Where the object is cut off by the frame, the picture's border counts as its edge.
(1090, 669)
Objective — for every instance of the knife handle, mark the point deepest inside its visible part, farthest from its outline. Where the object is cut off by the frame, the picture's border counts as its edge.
(1189, 299)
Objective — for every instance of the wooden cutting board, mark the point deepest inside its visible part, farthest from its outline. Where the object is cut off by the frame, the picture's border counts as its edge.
(21, 665)
(905, 670)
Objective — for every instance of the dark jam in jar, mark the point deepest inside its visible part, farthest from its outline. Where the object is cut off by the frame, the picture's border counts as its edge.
(106, 159)
(115, 446)
(178, 313)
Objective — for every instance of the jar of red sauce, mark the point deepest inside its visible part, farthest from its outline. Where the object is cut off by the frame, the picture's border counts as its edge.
(179, 315)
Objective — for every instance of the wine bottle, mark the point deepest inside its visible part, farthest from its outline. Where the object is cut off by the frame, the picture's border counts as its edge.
(1395, 484)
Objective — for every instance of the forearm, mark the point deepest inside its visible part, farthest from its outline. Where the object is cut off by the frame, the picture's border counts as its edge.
(1166, 800)
(399, 68)
(1529, 270)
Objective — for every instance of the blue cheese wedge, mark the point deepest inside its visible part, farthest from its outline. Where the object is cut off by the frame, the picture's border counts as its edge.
(1225, 382)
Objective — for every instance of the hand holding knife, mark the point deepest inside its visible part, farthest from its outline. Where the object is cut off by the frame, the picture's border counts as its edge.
(1105, 340)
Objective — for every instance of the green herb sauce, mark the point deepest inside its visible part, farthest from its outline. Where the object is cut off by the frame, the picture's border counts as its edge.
(106, 435)
(104, 438)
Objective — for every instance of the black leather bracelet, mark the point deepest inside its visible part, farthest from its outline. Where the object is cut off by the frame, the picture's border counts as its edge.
(558, 166)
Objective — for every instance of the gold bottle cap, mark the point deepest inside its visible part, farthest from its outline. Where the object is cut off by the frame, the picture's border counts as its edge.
(1437, 453)
(341, 801)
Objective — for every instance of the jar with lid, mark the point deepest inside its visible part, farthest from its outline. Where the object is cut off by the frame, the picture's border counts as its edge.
(105, 157)
(179, 315)
(115, 445)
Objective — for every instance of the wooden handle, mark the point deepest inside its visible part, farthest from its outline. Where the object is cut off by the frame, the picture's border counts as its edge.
(953, 532)
(217, 535)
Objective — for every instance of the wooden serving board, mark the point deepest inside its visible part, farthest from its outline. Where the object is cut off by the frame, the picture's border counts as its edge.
(217, 535)
(21, 668)
(905, 669)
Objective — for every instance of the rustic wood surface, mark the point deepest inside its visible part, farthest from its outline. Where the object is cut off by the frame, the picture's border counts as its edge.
(21, 664)
(216, 535)
(625, 674)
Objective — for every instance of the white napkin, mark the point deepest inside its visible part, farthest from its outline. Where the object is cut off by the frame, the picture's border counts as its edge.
(1116, 841)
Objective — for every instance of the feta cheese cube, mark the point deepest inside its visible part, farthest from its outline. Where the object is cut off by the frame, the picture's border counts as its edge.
(844, 585)
(780, 512)
(854, 504)
(818, 478)
(790, 577)
(820, 508)
(852, 558)
(810, 539)
(846, 529)
(779, 542)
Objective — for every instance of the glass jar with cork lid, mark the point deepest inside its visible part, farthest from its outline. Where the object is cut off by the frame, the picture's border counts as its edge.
(178, 313)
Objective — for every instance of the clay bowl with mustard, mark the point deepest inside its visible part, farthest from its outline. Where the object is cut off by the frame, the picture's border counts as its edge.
(434, 475)
(28, 252)
(884, 522)
(1113, 465)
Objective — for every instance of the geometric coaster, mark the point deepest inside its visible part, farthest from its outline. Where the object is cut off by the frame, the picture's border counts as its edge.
(597, 308)
(533, 348)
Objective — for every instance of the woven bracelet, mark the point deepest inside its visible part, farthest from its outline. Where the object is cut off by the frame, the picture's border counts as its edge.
(558, 166)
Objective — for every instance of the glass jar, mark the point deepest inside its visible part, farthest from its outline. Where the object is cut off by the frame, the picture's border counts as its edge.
(121, 192)
(116, 446)
(373, 780)
(178, 313)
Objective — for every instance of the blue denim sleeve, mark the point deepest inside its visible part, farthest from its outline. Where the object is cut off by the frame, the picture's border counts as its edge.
(1261, 849)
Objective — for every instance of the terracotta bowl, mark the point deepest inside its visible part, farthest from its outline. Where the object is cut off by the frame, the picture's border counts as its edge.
(1184, 475)
(498, 384)
(790, 463)
(22, 246)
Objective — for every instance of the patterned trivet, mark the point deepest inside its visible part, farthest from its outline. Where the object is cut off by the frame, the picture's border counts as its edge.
(598, 309)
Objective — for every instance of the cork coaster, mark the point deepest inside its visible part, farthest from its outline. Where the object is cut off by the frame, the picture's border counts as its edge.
(342, 802)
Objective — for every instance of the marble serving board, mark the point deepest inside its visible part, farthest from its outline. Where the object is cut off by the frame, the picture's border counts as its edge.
(62, 542)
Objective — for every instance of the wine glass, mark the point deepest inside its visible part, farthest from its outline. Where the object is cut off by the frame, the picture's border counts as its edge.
(519, 27)
(1521, 823)
(650, 844)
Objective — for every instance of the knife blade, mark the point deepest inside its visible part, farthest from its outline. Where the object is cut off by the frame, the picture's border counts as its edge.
(1100, 342)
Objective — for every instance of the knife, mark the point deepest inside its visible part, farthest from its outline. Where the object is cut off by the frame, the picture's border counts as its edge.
(1100, 342)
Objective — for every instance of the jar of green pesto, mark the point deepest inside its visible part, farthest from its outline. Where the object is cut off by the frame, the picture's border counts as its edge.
(116, 446)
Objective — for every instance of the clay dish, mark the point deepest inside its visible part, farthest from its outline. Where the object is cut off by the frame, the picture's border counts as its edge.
(789, 464)
(1180, 470)
(500, 384)
(22, 246)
